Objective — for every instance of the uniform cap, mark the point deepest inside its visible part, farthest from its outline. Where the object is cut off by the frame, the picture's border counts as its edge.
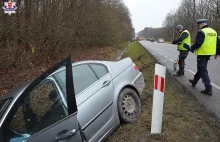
(200, 21)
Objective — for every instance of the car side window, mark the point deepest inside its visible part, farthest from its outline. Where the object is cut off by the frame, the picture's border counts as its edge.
(99, 69)
(83, 77)
(41, 108)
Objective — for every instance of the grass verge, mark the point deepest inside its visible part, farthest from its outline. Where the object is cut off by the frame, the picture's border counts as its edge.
(184, 118)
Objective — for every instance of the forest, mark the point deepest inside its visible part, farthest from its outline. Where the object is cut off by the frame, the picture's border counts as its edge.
(44, 29)
(186, 14)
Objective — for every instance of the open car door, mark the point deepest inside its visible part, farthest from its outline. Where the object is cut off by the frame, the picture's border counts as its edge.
(42, 113)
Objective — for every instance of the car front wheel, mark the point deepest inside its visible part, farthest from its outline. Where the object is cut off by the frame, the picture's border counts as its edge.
(129, 105)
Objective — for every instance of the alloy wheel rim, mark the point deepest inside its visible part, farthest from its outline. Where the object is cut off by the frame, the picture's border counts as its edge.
(129, 106)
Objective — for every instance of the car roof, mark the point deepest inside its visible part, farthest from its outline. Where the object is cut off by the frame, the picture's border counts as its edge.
(18, 90)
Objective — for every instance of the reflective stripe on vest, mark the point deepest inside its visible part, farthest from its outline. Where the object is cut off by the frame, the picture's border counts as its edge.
(186, 41)
(209, 45)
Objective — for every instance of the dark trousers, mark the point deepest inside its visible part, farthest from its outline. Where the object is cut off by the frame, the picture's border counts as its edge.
(182, 56)
(202, 71)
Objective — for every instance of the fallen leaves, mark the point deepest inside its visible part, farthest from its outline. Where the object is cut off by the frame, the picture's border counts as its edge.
(13, 77)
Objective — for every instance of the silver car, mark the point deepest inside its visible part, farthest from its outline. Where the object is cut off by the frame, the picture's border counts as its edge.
(73, 102)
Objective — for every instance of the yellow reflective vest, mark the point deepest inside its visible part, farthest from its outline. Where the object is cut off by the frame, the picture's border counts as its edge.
(186, 41)
(209, 45)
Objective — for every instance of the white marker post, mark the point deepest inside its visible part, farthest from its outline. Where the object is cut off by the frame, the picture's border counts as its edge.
(158, 99)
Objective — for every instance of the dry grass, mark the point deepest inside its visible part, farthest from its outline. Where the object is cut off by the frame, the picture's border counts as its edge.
(184, 118)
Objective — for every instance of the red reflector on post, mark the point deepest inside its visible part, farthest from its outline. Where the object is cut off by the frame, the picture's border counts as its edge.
(156, 82)
(159, 83)
(162, 84)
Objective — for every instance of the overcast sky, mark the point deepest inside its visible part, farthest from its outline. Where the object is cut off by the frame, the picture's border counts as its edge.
(149, 13)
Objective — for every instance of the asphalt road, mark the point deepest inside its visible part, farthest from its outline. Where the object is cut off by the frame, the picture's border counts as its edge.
(167, 53)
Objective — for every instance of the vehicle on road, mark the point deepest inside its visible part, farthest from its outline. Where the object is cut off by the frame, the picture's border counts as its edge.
(73, 102)
(160, 40)
(151, 39)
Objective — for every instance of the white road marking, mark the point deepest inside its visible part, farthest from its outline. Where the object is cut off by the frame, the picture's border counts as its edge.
(216, 86)
(162, 54)
(213, 84)
(192, 72)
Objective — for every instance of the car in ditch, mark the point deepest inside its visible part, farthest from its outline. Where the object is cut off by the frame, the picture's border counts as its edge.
(73, 102)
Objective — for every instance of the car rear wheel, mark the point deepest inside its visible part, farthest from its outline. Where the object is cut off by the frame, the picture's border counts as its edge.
(129, 105)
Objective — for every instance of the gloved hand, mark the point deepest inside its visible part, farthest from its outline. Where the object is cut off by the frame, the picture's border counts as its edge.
(192, 50)
(188, 48)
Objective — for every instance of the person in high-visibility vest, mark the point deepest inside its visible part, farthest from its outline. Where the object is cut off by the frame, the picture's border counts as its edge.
(207, 44)
(184, 38)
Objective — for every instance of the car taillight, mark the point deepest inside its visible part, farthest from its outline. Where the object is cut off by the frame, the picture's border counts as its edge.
(135, 66)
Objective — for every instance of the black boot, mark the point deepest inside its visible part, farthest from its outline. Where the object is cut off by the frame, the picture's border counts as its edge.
(192, 82)
(207, 92)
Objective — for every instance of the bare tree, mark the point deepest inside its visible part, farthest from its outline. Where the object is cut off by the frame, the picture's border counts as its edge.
(186, 14)
(51, 27)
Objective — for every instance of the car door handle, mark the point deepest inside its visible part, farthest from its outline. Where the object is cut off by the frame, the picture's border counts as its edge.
(106, 83)
(65, 134)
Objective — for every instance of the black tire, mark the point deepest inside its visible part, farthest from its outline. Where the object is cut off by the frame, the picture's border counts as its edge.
(129, 105)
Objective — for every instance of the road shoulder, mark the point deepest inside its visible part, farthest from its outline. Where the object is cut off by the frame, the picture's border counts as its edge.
(184, 118)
